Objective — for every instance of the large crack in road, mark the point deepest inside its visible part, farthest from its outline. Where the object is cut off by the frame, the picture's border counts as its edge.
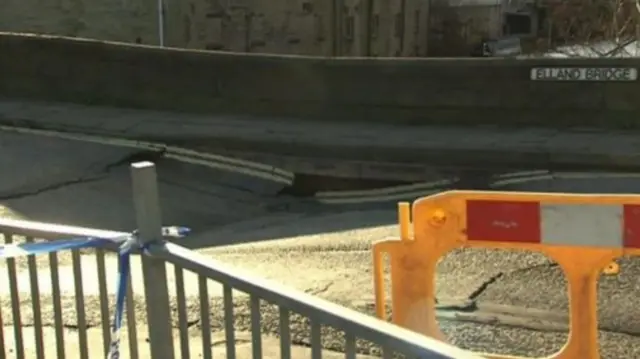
(482, 287)
(93, 176)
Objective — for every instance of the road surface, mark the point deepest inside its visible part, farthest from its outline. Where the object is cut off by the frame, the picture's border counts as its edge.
(382, 146)
(324, 251)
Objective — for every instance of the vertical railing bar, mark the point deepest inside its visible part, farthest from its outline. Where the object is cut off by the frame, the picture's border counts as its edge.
(83, 342)
(316, 340)
(15, 301)
(349, 346)
(35, 304)
(229, 322)
(3, 346)
(285, 334)
(56, 299)
(104, 299)
(183, 323)
(256, 328)
(132, 329)
(204, 317)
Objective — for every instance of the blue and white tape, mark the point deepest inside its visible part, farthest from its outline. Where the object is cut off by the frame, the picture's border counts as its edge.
(126, 245)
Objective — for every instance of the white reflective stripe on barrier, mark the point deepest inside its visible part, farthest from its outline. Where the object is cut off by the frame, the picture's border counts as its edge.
(127, 244)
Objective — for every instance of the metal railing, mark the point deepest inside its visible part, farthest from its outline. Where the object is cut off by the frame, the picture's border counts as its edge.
(69, 301)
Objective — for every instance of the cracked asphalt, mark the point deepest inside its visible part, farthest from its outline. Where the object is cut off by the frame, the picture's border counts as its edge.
(508, 302)
(40, 170)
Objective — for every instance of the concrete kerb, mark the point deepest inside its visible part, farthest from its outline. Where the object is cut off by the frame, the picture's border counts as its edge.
(413, 191)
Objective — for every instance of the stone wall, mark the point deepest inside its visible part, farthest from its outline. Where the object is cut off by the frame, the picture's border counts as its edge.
(305, 27)
(114, 20)
(402, 91)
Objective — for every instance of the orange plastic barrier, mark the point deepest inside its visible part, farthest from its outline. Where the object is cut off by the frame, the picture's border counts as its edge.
(584, 234)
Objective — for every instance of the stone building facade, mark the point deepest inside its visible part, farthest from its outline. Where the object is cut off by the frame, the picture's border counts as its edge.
(303, 27)
(383, 28)
(116, 20)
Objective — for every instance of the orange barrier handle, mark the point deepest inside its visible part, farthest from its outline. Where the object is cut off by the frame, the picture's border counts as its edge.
(379, 249)
(378, 279)
(404, 219)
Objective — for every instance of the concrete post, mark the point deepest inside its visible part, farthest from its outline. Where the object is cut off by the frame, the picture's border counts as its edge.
(149, 222)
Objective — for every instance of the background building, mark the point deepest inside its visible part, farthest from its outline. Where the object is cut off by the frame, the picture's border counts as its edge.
(395, 28)
(117, 20)
(459, 27)
(307, 27)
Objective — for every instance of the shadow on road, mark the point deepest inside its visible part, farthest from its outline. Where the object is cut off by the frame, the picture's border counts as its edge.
(299, 227)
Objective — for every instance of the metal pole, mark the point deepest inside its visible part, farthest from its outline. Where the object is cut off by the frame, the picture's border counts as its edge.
(148, 219)
(161, 22)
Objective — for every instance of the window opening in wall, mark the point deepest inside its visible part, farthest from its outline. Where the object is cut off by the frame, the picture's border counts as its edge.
(307, 7)
(518, 24)
(375, 24)
(349, 28)
(399, 25)
(320, 30)
(187, 29)
(542, 19)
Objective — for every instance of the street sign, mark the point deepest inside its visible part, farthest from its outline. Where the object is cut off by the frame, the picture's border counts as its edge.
(584, 74)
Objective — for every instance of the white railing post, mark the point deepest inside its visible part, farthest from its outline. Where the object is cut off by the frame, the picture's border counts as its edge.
(149, 223)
